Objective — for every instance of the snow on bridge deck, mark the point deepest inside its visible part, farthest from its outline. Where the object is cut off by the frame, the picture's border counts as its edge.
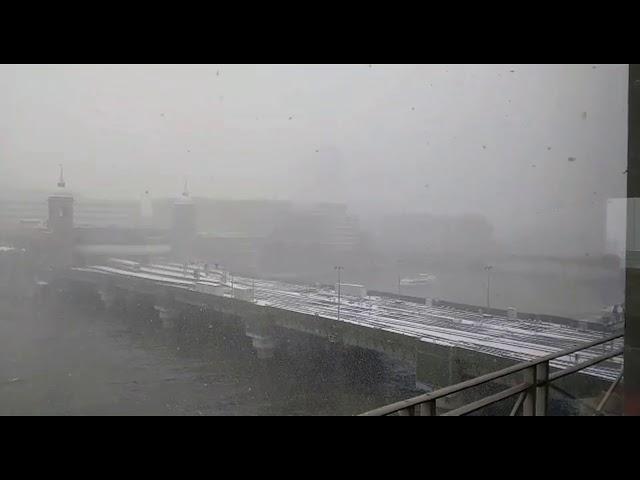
(519, 340)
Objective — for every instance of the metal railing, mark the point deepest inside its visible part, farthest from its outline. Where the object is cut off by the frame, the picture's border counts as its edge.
(532, 392)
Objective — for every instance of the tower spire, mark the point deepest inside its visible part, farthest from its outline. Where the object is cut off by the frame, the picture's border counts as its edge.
(61, 182)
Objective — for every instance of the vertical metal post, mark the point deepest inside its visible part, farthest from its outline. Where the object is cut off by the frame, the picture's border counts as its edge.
(632, 293)
(407, 412)
(529, 404)
(339, 292)
(542, 390)
(488, 288)
(488, 270)
(428, 409)
(339, 268)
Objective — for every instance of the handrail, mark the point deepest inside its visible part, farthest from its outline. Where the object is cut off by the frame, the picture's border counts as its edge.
(581, 366)
(483, 379)
(495, 398)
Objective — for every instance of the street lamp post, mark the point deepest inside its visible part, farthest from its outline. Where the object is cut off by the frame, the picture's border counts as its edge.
(488, 269)
(339, 269)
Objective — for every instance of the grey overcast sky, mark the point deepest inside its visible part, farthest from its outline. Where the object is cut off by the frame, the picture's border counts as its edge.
(492, 139)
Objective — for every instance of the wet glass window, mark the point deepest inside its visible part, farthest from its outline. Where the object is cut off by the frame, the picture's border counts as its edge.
(317, 239)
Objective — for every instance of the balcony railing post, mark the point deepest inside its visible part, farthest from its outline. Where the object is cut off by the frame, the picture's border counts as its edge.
(529, 404)
(542, 391)
(533, 390)
(428, 409)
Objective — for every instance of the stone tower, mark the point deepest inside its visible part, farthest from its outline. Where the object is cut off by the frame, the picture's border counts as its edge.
(60, 225)
(184, 228)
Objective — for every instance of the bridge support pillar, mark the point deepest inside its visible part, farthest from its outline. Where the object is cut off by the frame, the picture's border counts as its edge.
(108, 297)
(263, 339)
(435, 366)
(167, 314)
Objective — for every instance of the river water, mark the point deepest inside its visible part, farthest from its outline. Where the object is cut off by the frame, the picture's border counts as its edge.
(68, 359)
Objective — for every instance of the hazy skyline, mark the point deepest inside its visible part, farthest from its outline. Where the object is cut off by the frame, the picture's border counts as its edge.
(520, 144)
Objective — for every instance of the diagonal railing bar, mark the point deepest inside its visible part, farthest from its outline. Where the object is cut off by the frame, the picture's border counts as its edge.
(533, 398)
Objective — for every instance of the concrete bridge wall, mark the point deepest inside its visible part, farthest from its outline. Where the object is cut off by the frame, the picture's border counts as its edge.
(435, 366)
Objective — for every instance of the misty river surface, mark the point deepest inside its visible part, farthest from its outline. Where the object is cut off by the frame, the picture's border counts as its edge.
(69, 360)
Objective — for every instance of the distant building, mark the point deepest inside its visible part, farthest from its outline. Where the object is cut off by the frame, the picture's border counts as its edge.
(577, 229)
(235, 251)
(60, 226)
(313, 238)
(265, 235)
(73, 232)
(251, 218)
(336, 229)
(16, 211)
(184, 228)
(424, 233)
(105, 213)
(326, 226)
(30, 210)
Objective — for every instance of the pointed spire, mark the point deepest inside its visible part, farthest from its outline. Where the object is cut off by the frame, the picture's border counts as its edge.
(61, 182)
(185, 191)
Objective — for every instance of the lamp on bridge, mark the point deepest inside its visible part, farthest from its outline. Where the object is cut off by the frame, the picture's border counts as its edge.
(488, 269)
(339, 269)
